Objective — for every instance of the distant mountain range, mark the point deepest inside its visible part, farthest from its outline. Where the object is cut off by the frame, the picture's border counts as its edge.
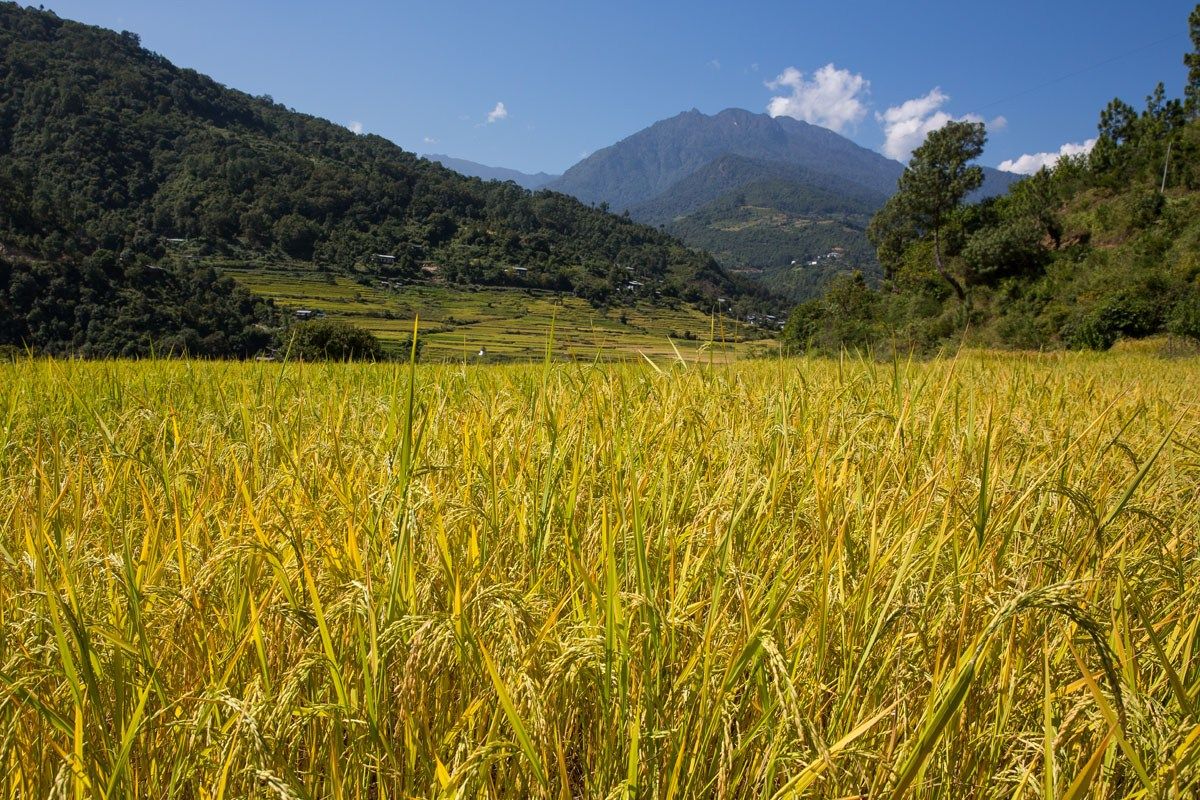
(768, 196)
(648, 163)
(113, 157)
(472, 169)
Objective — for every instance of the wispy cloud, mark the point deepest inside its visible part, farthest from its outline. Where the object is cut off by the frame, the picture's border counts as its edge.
(834, 98)
(1030, 163)
(429, 140)
(905, 126)
(715, 64)
(355, 126)
(498, 113)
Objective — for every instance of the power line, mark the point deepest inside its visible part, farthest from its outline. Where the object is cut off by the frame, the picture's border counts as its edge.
(1077, 72)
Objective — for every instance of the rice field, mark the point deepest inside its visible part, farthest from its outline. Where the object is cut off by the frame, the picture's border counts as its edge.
(509, 324)
(970, 577)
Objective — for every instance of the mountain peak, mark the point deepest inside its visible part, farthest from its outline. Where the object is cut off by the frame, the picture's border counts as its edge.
(264, 181)
(648, 162)
(755, 190)
(739, 114)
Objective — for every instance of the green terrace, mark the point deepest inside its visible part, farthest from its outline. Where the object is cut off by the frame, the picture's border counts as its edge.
(505, 324)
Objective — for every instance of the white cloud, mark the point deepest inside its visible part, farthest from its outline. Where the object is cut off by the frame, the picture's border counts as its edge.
(498, 113)
(905, 126)
(355, 126)
(430, 140)
(832, 99)
(715, 64)
(1030, 163)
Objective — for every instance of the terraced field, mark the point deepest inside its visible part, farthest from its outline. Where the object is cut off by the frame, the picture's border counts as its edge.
(509, 324)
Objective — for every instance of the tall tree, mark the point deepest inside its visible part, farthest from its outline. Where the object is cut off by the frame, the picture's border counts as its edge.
(1191, 92)
(939, 176)
(1118, 122)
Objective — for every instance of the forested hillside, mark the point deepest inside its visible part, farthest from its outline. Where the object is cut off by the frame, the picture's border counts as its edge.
(109, 146)
(758, 192)
(96, 307)
(1102, 247)
(643, 166)
(789, 187)
(775, 221)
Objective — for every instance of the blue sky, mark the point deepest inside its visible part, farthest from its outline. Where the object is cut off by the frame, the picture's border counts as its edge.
(573, 77)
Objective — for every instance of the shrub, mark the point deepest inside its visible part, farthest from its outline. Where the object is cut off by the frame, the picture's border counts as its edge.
(297, 236)
(1185, 317)
(335, 340)
(1020, 329)
(1127, 313)
(10, 352)
(803, 324)
(1145, 207)
(1014, 248)
(846, 317)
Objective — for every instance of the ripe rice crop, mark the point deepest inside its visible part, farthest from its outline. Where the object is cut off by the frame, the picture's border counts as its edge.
(971, 577)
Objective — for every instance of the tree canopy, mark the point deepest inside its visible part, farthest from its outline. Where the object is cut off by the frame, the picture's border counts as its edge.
(938, 177)
(99, 307)
(109, 146)
(335, 340)
(1191, 60)
(1101, 246)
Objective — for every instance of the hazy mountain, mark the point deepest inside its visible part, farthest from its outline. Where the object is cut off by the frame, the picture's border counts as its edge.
(470, 168)
(640, 167)
(759, 192)
(649, 162)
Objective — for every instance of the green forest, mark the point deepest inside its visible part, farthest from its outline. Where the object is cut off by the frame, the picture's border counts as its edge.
(110, 149)
(1103, 246)
(96, 307)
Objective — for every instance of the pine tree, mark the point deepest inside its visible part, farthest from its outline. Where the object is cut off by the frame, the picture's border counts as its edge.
(1191, 93)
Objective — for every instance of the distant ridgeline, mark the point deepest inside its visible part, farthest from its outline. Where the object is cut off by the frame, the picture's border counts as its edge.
(108, 147)
(769, 197)
(1101, 247)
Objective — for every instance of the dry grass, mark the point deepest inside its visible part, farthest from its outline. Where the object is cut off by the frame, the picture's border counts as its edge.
(967, 578)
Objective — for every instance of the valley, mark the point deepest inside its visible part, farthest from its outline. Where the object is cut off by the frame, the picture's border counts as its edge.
(738, 461)
(758, 192)
(508, 324)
